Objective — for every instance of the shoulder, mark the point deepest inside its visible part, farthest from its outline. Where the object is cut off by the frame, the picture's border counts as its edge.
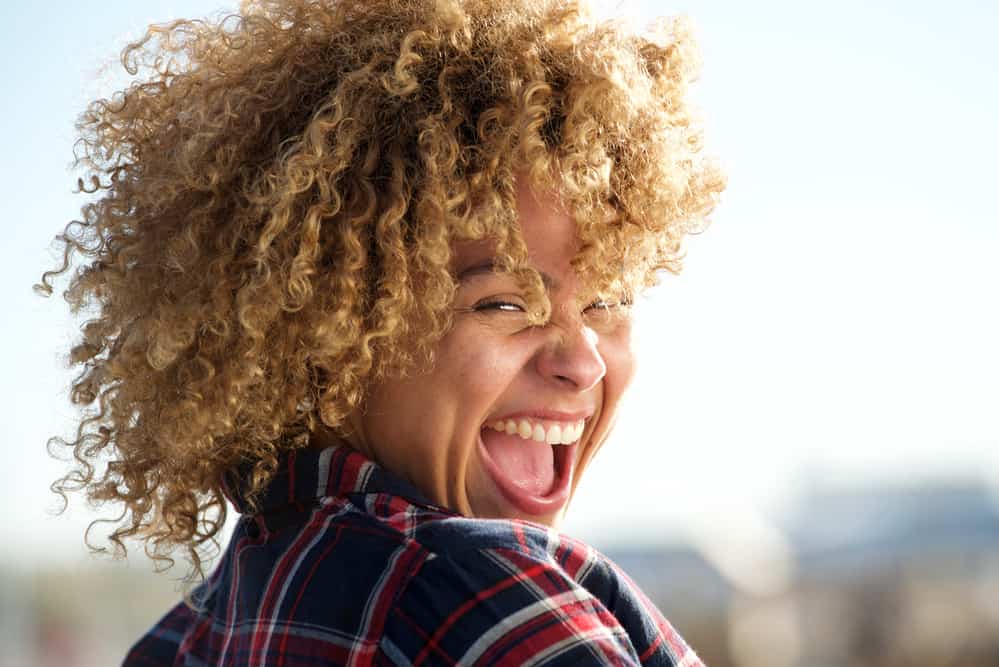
(318, 583)
(416, 586)
(513, 592)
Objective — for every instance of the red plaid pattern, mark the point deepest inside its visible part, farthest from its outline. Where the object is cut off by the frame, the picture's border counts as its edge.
(346, 564)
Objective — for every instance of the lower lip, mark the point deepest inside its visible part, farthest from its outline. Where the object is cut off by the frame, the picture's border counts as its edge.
(529, 503)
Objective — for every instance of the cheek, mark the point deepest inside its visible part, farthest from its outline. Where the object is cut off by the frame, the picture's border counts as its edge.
(476, 368)
(391, 417)
(619, 356)
(618, 352)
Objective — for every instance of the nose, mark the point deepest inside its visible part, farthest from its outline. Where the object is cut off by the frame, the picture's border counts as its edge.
(572, 357)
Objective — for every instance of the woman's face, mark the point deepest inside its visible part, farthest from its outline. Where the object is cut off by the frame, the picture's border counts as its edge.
(458, 433)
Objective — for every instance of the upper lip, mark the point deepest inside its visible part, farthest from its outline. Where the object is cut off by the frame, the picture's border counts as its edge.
(550, 415)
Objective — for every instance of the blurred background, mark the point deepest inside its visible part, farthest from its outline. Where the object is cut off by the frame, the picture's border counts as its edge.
(806, 471)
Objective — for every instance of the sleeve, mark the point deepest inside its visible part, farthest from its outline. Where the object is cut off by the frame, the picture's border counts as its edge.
(501, 607)
(653, 637)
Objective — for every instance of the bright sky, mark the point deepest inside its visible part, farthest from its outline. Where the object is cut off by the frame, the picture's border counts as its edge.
(836, 323)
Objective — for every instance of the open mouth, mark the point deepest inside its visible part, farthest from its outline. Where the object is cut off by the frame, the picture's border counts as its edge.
(532, 469)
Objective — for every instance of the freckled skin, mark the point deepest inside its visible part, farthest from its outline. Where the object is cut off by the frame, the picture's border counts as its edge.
(426, 428)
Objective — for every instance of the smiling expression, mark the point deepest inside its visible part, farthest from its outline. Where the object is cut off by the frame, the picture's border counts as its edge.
(496, 379)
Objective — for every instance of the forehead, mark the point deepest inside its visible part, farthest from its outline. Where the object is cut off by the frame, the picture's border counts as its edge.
(549, 231)
(467, 255)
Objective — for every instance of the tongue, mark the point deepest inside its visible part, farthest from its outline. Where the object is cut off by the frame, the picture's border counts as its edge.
(527, 464)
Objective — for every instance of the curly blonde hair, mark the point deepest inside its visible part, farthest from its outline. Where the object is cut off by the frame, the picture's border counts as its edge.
(277, 195)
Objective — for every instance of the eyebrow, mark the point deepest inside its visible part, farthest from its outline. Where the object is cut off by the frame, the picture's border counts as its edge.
(488, 266)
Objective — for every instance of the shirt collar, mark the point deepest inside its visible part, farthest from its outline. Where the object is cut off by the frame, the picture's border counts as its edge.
(305, 475)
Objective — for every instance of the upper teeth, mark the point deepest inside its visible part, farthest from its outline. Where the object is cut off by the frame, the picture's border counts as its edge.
(558, 433)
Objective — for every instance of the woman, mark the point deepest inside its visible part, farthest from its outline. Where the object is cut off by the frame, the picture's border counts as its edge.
(365, 269)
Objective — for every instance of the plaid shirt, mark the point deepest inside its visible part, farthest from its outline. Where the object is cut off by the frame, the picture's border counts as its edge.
(348, 565)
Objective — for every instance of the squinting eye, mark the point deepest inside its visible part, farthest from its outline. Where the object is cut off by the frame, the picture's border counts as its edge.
(502, 306)
(601, 305)
(607, 314)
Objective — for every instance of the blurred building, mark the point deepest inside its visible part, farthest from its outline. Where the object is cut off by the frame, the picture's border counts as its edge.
(907, 575)
(903, 575)
(80, 615)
